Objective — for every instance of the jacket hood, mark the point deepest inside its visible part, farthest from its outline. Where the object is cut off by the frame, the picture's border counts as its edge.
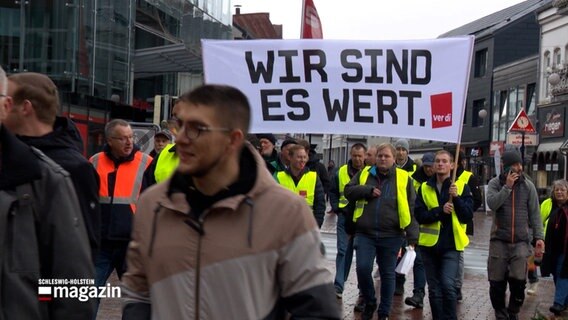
(64, 134)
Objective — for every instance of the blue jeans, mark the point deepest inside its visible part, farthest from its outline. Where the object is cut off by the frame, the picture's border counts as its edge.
(441, 273)
(344, 256)
(418, 271)
(386, 251)
(561, 284)
(111, 256)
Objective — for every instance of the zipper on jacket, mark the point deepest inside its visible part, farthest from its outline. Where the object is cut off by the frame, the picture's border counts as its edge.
(200, 220)
(513, 217)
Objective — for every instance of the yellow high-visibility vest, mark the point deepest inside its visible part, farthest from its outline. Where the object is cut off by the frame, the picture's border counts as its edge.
(167, 163)
(306, 187)
(429, 233)
(401, 197)
(545, 209)
(343, 177)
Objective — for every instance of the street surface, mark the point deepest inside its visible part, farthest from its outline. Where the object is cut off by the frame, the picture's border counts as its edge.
(475, 305)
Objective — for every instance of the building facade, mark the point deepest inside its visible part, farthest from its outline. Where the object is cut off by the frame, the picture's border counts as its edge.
(109, 58)
(549, 162)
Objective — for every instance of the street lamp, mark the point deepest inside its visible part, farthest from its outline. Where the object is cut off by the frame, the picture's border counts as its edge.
(482, 114)
(554, 79)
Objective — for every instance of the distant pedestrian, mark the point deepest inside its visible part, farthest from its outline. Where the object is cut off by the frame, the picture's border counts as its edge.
(344, 211)
(299, 179)
(422, 174)
(161, 140)
(383, 217)
(269, 153)
(514, 202)
(443, 208)
(314, 164)
(221, 239)
(554, 211)
(371, 156)
(404, 162)
(331, 168)
(472, 181)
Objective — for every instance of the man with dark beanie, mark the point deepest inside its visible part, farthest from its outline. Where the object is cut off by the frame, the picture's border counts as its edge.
(514, 202)
(269, 153)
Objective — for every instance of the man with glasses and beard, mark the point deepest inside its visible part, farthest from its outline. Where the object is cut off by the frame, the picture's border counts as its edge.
(221, 239)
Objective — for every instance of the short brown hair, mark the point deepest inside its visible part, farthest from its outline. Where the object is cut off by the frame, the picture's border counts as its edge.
(232, 104)
(40, 91)
(295, 148)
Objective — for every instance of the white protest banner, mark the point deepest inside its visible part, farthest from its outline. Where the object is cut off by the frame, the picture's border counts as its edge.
(408, 89)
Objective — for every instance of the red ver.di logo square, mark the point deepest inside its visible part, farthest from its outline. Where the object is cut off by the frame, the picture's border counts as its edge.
(441, 105)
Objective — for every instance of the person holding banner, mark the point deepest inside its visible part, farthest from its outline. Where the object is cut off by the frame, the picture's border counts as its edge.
(344, 210)
(514, 202)
(209, 243)
(303, 182)
(384, 197)
(443, 208)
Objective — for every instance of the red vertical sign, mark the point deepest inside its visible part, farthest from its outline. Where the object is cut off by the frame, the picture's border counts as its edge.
(311, 24)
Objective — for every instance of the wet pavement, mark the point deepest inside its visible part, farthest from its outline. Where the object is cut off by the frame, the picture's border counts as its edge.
(475, 305)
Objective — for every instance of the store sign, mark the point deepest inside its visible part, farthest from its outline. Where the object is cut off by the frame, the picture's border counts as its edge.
(552, 122)
(496, 145)
(516, 139)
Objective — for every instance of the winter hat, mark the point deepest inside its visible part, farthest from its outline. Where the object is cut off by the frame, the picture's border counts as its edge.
(402, 143)
(428, 159)
(287, 142)
(164, 133)
(268, 136)
(511, 157)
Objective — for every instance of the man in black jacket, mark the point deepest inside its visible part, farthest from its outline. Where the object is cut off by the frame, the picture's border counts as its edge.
(33, 119)
(41, 231)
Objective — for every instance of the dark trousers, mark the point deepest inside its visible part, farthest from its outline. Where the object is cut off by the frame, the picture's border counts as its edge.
(344, 256)
(441, 273)
(385, 250)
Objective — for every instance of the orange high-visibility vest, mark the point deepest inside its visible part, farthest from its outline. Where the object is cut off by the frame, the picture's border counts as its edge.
(129, 177)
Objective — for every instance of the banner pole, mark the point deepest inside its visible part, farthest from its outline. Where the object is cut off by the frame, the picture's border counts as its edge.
(456, 161)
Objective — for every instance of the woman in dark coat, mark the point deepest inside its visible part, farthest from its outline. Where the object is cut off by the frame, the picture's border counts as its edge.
(554, 212)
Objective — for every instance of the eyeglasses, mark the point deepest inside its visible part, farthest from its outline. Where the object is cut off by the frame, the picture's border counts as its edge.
(193, 131)
(123, 139)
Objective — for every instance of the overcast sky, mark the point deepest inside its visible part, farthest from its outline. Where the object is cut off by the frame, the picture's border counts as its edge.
(377, 19)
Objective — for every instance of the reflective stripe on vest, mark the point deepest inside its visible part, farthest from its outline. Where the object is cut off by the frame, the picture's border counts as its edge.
(306, 187)
(545, 209)
(167, 163)
(401, 197)
(343, 177)
(429, 233)
(128, 178)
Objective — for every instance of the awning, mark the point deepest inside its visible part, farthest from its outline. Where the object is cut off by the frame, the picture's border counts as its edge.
(164, 59)
(549, 146)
